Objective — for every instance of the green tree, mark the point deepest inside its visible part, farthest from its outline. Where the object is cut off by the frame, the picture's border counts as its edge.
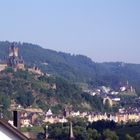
(138, 136)
(25, 99)
(58, 131)
(80, 133)
(92, 134)
(128, 137)
(107, 105)
(4, 101)
(110, 135)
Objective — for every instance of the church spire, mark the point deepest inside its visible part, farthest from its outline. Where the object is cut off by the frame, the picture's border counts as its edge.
(71, 132)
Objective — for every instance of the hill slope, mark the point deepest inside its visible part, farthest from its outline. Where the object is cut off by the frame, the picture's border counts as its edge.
(77, 68)
(29, 90)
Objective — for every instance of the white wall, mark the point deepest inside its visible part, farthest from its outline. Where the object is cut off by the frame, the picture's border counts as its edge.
(7, 135)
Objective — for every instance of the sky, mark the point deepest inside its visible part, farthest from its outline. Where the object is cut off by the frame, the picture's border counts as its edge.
(104, 30)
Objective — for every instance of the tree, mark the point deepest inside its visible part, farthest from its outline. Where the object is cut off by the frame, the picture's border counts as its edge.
(102, 125)
(110, 135)
(92, 134)
(128, 137)
(138, 136)
(4, 100)
(80, 133)
(107, 105)
(58, 131)
(25, 99)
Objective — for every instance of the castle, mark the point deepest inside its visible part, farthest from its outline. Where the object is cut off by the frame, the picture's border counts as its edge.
(13, 60)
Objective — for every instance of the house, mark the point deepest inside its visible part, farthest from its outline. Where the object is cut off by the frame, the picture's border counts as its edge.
(49, 113)
(8, 132)
(3, 66)
(35, 70)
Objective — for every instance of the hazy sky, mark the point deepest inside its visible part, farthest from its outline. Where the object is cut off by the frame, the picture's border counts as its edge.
(105, 30)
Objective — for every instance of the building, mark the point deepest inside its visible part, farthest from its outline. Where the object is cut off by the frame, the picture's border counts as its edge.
(49, 113)
(8, 132)
(108, 100)
(3, 66)
(13, 60)
(35, 70)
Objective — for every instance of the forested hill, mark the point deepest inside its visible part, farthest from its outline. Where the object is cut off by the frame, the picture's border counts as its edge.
(76, 68)
(73, 67)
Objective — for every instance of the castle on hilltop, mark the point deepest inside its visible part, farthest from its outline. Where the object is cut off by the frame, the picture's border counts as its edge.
(13, 60)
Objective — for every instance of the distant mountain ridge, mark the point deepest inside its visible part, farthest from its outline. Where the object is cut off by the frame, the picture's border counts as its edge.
(76, 68)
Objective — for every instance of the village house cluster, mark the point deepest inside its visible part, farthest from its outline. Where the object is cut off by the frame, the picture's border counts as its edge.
(31, 117)
(123, 115)
(111, 95)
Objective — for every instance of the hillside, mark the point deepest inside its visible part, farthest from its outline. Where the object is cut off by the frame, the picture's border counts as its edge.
(29, 90)
(77, 68)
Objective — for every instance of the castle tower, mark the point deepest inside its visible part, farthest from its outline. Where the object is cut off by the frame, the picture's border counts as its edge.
(14, 60)
(13, 51)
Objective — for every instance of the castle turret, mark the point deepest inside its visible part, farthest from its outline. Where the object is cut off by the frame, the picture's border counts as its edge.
(13, 51)
(14, 60)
